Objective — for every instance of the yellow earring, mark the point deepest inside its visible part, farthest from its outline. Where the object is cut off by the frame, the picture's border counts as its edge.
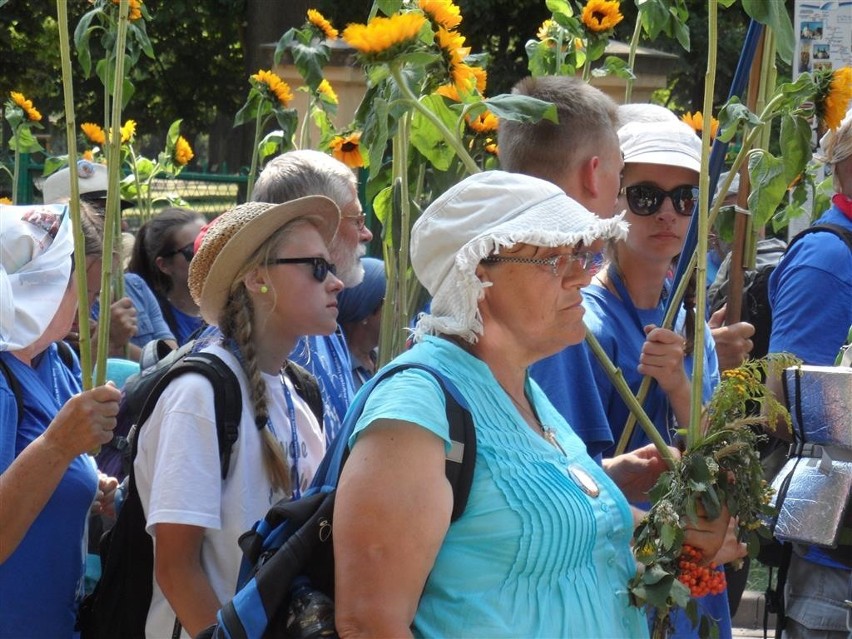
(264, 289)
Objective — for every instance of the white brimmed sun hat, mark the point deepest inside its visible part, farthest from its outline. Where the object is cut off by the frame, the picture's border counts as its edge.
(478, 216)
(237, 234)
(670, 142)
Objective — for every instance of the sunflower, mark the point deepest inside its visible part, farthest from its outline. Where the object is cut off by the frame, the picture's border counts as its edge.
(326, 92)
(485, 122)
(833, 96)
(94, 133)
(544, 31)
(696, 121)
(319, 21)
(183, 152)
(449, 91)
(347, 149)
(88, 155)
(27, 107)
(442, 12)
(601, 15)
(128, 131)
(492, 148)
(5, 200)
(380, 37)
(135, 10)
(452, 45)
(481, 76)
(274, 85)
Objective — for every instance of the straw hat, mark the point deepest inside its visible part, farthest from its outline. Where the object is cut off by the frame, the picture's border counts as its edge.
(236, 235)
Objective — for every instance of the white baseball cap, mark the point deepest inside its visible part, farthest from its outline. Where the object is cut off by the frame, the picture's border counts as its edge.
(477, 217)
(670, 142)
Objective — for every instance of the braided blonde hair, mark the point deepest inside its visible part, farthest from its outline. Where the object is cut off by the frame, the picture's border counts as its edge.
(238, 323)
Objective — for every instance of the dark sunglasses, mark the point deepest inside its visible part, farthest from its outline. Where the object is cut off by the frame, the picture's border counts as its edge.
(646, 199)
(187, 251)
(321, 267)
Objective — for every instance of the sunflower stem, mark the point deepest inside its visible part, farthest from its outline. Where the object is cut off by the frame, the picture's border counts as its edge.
(631, 56)
(17, 171)
(112, 209)
(617, 378)
(693, 432)
(74, 202)
(258, 127)
(449, 137)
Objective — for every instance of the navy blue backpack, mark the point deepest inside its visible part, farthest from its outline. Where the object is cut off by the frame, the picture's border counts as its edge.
(294, 539)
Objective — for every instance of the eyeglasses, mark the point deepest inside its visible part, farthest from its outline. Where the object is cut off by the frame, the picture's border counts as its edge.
(360, 220)
(187, 251)
(591, 262)
(321, 266)
(646, 199)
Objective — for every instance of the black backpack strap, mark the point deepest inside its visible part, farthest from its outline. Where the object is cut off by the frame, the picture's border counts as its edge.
(65, 353)
(461, 459)
(307, 387)
(15, 387)
(227, 397)
(835, 229)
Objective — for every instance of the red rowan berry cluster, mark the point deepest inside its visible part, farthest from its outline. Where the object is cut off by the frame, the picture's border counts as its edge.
(701, 580)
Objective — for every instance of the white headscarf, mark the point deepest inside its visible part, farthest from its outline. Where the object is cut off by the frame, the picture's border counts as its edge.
(35, 263)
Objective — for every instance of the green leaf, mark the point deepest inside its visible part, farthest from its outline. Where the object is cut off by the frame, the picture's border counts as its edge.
(775, 16)
(375, 133)
(768, 186)
(382, 205)
(82, 33)
(668, 535)
(615, 67)
(309, 59)
(288, 120)
(732, 117)
(389, 7)
(139, 33)
(24, 141)
(256, 104)
(425, 136)
(559, 7)
(521, 108)
(795, 142)
(53, 164)
(270, 144)
(418, 58)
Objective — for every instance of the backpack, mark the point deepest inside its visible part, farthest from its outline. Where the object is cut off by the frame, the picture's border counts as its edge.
(156, 360)
(293, 542)
(118, 607)
(755, 296)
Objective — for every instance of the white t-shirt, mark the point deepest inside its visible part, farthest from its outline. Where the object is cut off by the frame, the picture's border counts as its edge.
(178, 473)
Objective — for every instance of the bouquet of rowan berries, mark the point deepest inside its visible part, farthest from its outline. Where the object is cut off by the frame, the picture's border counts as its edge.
(718, 473)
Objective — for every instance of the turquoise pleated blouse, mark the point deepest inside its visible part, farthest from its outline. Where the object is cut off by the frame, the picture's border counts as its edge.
(534, 554)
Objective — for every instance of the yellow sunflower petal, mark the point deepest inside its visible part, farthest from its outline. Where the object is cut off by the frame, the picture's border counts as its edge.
(347, 149)
(322, 24)
(601, 15)
(381, 34)
(839, 96)
(442, 12)
(183, 152)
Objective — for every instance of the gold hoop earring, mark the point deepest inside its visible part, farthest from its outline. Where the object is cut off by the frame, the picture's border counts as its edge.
(264, 289)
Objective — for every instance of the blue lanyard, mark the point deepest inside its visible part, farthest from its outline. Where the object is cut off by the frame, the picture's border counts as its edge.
(653, 397)
(294, 449)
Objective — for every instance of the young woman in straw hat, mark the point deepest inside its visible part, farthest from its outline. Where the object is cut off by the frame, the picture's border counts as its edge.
(263, 277)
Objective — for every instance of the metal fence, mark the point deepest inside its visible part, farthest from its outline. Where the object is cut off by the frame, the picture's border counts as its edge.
(208, 193)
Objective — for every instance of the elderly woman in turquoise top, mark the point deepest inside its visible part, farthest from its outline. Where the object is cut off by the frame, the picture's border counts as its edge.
(543, 547)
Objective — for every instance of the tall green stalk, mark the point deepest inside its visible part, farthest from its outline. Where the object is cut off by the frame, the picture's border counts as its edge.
(74, 203)
(252, 176)
(17, 167)
(693, 432)
(631, 58)
(113, 195)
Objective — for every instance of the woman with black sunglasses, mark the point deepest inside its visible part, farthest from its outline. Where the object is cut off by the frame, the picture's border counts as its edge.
(626, 301)
(163, 250)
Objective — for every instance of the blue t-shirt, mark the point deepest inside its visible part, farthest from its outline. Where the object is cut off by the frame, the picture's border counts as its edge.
(533, 555)
(622, 340)
(150, 324)
(810, 293)
(567, 379)
(327, 357)
(42, 579)
(184, 325)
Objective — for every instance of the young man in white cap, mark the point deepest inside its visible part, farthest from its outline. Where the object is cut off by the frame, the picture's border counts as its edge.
(136, 318)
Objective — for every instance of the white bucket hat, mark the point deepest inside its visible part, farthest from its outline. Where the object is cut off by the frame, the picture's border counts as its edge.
(475, 218)
(670, 142)
(91, 177)
(35, 263)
